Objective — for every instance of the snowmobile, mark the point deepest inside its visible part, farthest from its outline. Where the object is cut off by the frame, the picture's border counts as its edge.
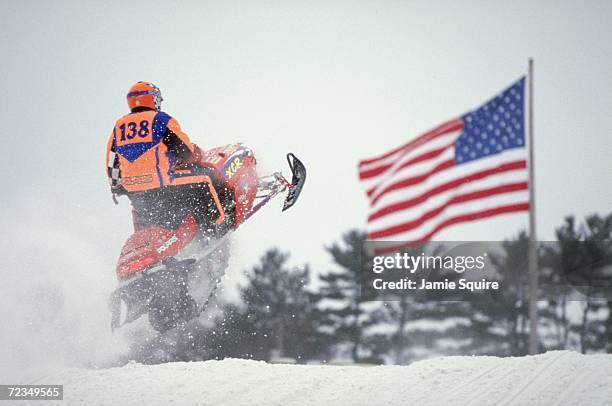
(171, 274)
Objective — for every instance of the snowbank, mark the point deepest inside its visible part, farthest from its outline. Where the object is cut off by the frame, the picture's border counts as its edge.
(559, 377)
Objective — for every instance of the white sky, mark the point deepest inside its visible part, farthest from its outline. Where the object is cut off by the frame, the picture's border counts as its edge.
(332, 82)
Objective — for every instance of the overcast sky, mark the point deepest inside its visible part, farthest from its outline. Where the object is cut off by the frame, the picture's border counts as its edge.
(331, 81)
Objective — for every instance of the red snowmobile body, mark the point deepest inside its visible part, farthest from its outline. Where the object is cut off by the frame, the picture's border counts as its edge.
(231, 167)
(156, 261)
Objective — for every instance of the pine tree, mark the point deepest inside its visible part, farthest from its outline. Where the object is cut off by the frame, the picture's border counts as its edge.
(498, 320)
(578, 264)
(278, 314)
(234, 336)
(597, 254)
(347, 319)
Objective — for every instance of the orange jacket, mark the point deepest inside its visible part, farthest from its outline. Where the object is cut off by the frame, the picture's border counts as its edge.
(143, 151)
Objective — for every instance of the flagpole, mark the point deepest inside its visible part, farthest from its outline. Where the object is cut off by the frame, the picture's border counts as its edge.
(532, 255)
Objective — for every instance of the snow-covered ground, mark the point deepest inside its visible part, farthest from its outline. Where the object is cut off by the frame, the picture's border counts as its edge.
(554, 378)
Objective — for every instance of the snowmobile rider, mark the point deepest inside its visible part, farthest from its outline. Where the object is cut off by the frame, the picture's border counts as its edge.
(151, 160)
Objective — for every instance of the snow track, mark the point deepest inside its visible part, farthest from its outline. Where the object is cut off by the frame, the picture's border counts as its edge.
(556, 378)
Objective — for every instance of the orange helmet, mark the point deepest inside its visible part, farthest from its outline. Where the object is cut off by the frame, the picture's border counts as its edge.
(144, 94)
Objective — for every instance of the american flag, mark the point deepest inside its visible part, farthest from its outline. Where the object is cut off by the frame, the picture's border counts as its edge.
(468, 168)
